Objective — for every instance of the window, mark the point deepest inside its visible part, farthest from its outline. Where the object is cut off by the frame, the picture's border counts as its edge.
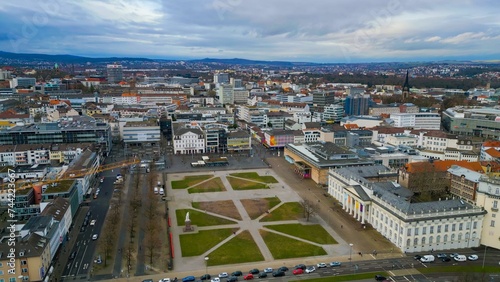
(474, 225)
(495, 204)
(24, 270)
(12, 279)
(459, 237)
(445, 238)
(416, 230)
(415, 241)
(445, 228)
(423, 240)
(431, 239)
(438, 239)
(452, 237)
(453, 227)
(408, 232)
(424, 230)
(492, 223)
(460, 226)
(439, 229)
(431, 230)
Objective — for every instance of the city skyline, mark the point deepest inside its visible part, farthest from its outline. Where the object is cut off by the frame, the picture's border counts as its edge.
(326, 32)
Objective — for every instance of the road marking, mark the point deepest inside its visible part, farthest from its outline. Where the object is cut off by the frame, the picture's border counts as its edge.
(85, 266)
(391, 273)
(406, 278)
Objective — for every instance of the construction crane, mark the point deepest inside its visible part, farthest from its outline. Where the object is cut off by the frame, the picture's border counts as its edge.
(75, 174)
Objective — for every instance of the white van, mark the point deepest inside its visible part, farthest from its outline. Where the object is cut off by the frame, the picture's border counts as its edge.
(156, 190)
(162, 192)
(460, 258)
(427, 258)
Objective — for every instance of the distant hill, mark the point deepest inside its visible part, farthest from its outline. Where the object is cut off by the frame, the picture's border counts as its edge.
(64, 58)
(239, 61)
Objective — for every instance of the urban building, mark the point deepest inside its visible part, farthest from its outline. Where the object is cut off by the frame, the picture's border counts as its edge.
(79, 129)
(114, 73)
(333, 112)
(48, 228)
(488, 197)
(221, 78)
(225, 95)
(322, 98)
(464, 182)
(417, 120)
(142, 137)
(239, 142)
(188, 139)
(473, 121)
(216, 137)
(240, 95)
(23, 82)
(357, 104)
(32, 258)
(276, 120)
(412, 227)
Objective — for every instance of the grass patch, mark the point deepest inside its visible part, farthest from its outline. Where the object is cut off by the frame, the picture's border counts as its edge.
(461, 268)
(239, 249)
(350, 277)
(225, 208)
(190, 243)
(212, 185)
(189, 181)
(282, 247)
(256, 177)
(199, 218)
(256, 207)
(314, 233)
(287, 211)
(242, 184)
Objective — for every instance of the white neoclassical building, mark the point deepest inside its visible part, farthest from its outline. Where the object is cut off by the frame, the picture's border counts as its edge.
(488, 196)
(366, 194)
(188, 139)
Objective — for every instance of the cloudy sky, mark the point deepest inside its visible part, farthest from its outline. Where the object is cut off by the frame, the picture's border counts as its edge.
(340, 31)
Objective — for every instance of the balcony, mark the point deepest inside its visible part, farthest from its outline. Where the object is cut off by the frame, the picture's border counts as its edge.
(494, 209)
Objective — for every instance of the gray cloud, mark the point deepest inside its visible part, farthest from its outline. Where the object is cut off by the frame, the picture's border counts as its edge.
(320, 30)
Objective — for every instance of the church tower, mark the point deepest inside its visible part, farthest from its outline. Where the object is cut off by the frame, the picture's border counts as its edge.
(406, 89)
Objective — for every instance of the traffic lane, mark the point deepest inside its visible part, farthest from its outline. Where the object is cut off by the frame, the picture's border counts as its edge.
(89, 245)
(72, 264)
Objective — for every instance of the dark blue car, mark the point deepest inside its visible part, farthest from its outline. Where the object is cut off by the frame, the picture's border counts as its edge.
(188, 279)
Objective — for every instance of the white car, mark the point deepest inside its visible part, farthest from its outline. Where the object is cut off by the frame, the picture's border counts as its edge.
(472, 257)
(216, 279)
(223, 275)
(268, 270)
(164, 280)
(460, 258)
(92, 222)
(95, 236)
(321, 265)
(310, 269)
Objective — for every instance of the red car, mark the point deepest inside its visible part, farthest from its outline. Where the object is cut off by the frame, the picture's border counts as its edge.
(249, 276)
(298, 271)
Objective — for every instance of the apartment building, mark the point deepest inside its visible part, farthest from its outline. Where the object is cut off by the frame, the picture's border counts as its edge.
(488, 197)
(188, 139)
(417, 120)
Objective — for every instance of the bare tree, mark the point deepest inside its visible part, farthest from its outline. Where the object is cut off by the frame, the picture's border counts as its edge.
(108, 240)
(152, 240)
(473, 277)
(309, 208)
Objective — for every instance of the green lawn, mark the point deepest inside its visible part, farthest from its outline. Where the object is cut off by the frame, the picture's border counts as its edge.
(255, 176)
(282, 247)
(287, 211)
(200, 218)
(212, 185)
(242, 184)
(314, 233)
(189, 181)
(461, 268)
(239, 249)
(198, 243)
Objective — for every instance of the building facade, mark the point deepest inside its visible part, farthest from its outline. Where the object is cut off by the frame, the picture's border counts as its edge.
(417, 120)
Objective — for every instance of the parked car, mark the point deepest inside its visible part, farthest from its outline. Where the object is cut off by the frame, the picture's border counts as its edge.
(417, 257)
(303, 266)
(232, 279)
(73, 255)
(460, 258)
(164, 280)
(472, 257)
(147, 280)
(283, 268)
(92, 222)
(215, 279)
(380, 278)
(223, 275)
(268, 270)
(298, 271)
(262, 275)
(188, 279)
(310, 269)
(335, 263)
(278, 273)
(249, 276)
(427, 258)
(205, 277)
(442, 255)
(95, 236)
(254, 271)
(321, 265)
(237, 273)
(454, 255)
(445, 259)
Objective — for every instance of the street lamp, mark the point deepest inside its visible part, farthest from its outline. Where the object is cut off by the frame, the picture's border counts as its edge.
(484, 256)
(206, 265)
(350, 253)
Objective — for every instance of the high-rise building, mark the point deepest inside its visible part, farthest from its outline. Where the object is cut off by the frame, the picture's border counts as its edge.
(226, 94)
(236, 82)
(333, 112)
(25, 82)
(357, 104)
(114, 73)
(321, 98)
(221, 78)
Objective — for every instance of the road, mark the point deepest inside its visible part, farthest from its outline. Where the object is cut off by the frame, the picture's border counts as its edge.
(85, 247)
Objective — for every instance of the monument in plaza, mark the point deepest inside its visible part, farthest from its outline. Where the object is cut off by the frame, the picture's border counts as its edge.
(187, 223)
